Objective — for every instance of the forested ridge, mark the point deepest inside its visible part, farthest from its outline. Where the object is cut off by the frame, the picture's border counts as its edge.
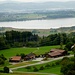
(27, 39)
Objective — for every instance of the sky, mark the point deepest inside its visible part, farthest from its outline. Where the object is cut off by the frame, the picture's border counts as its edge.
(37, 0)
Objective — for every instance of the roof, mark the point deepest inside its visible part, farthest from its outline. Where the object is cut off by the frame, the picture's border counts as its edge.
(54, 53)
(17, 58)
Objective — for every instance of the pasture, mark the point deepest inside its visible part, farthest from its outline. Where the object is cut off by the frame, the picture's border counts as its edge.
(50, 67)
(20, 74)
(40, 50)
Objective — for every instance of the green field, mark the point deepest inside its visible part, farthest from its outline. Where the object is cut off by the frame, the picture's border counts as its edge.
(41, 50)
(50, 67)
(53, 70)
(20, 74)
(13, 51)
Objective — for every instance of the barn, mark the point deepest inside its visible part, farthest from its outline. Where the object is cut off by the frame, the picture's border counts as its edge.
(15, 59)
(57, 53)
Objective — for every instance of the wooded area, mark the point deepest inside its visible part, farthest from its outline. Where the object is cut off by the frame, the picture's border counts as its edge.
(27, 39)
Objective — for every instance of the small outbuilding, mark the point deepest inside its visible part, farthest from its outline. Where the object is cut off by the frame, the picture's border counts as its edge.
(30, 56)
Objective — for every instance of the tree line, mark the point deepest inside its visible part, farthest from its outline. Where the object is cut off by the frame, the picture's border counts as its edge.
(27, 39)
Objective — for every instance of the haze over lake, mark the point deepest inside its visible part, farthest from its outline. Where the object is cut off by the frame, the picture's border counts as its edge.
(40, 24)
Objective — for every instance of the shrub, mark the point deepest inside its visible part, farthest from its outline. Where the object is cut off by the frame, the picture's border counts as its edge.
(65, 60)
(41, 68)
(1, 61)
(2, 56)
(66, 68)
(35, 69)
(71, 72)
(28, 67)
(57, 62)
(22, 55)
(1, 71)
(72, 59)
(53, 64)
(47, 66)
(6, 70)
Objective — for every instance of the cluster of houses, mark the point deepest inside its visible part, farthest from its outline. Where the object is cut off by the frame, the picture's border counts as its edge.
(30, 56)
(52, 54)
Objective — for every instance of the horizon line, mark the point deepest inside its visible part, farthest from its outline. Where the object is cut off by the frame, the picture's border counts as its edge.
(34, 1)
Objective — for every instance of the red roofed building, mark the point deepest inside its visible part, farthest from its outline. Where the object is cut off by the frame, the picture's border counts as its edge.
(56, 53)
(15, 59)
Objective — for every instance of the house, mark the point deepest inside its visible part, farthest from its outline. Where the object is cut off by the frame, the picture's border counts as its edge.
(15, 59)
(30, 56)
(56, 53)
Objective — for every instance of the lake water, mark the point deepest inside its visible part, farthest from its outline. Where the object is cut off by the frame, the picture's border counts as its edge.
(40, 24)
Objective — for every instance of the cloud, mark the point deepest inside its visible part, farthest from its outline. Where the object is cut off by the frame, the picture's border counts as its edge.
(36, 0)
(2, 0)
(39, 0)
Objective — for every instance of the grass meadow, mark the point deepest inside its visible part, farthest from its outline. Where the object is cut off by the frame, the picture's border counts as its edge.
(20, 74)
(50, 67)
(41, 50)
(13, 51)
(53, 70)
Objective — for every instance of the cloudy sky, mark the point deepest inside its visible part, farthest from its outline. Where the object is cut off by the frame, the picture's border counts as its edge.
(36, 0)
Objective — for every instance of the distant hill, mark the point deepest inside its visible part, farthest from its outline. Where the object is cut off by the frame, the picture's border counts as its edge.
(19, 11)
(32, 7)
(41, 32)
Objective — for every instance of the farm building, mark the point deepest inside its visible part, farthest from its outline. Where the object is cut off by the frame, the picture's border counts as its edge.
(56, 53)
(15, 59)
(30, 56)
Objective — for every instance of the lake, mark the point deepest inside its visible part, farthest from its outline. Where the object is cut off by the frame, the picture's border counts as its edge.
(40, 24)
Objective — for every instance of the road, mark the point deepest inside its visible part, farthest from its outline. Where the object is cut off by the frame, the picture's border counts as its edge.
(41, 62)
(36, 73)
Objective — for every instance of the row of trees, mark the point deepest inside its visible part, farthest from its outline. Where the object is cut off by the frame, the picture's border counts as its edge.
(68, 67)
(68, 64)
(27, 39)
(18, 39)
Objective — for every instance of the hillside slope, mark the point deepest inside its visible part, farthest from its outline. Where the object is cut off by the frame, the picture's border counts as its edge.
(41, 32)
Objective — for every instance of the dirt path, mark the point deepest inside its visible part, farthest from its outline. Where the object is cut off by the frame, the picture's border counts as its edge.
(36, 73)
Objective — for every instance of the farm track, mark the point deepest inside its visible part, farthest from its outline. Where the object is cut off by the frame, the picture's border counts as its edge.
(41, 62)
(36, 73)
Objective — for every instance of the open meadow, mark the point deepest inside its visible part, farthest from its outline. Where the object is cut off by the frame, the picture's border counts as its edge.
(20, 74)
(50, 67)
(40, 50)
